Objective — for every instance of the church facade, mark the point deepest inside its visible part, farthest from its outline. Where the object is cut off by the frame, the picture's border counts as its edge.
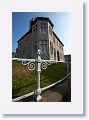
(40, 36)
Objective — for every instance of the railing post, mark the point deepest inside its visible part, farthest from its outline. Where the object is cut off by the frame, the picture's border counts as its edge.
(38, 63)
(38, 72)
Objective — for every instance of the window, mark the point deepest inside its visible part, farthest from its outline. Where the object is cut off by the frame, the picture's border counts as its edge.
(43, 45)
(60, 46)
(35, 28)
(50, 30)
(61, 55)
(57, 43)
(54, 53)
(44, 24)
(43, 48)
(43, 41)
(35, 48)
(41, 24)
(53, 39)
(42, 29)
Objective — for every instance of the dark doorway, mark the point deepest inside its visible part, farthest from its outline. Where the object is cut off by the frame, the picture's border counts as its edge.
(58, 56)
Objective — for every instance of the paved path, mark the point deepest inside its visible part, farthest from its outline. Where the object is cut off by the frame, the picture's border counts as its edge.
(58, 93)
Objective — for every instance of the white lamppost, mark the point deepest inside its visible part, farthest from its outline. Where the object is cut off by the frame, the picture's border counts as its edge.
(38, 72)
(37, 63)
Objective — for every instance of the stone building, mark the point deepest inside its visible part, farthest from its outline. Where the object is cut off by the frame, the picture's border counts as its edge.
(67, 58)
(40, 36)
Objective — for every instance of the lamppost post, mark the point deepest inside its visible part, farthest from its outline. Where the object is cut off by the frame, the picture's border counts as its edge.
(38, 72)
(37, 64)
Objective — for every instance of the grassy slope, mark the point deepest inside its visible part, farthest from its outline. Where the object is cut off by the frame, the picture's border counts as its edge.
(23, 80)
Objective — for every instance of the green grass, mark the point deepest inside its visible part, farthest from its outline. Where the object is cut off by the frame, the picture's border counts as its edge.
(23, 80)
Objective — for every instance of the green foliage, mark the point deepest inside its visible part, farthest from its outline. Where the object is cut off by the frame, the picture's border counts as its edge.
(23, 80)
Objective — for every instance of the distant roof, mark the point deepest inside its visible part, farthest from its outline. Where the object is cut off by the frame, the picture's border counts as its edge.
(41, 18)
(58, 38)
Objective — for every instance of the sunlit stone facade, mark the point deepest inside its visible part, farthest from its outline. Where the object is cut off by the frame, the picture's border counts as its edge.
(40, 36)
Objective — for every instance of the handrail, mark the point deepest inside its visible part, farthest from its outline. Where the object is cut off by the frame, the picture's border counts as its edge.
(45, 88)
(51, 61)
(37, 64)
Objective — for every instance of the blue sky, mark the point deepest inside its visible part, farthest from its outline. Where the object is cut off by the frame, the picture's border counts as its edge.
(61, 21)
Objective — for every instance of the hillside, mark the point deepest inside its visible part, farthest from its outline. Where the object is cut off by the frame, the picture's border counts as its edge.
(24, 81)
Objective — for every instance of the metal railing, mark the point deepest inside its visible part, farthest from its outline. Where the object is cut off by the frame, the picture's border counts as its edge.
(37, 64)
(43, 89)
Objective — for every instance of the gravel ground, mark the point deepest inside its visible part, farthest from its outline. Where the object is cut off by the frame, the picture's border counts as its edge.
(58, 93)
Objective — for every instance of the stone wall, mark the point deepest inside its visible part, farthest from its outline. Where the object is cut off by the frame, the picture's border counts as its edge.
(42, 37)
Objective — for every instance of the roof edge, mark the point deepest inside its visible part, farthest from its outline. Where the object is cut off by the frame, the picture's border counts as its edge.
(25, 35)
(42, 18)
(57, 38)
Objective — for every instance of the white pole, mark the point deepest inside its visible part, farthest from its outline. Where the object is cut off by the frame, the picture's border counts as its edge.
(38, 72)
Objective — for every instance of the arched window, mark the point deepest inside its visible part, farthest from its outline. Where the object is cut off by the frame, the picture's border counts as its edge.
(54, 53)
(58, 58)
